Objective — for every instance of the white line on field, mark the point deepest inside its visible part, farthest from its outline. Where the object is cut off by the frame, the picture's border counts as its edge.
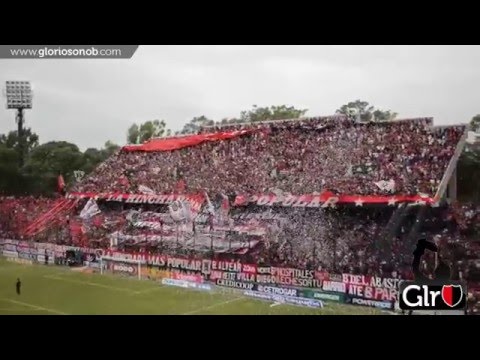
(53, 277)
(13, 309)
(36, 307)
(213, 306)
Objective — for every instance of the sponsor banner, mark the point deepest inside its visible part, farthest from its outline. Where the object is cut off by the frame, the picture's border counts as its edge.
(187, 277)
(277, 291)
(334, 286)
(186, 284)
(324, 296)
(123, 268)
(328, 199)
(235, 284)
(372, 303)
(173, 282)
(258, 295)
(10, 253)
(371, 287)
(195, 201)
(284, 299)
(287, 276)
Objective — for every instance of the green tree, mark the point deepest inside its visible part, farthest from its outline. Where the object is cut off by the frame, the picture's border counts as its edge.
(54, 158)
(194, 125)
(110, 148)
(10, 174)
(280, 112)
(149, 129)
(475, 123)
(93, 157)
(366, 111)
(12, 141)
(133, 134)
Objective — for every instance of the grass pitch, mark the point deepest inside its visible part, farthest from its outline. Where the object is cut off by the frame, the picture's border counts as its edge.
(51, 290)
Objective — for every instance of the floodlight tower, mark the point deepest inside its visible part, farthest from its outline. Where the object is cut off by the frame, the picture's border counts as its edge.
(19, 97)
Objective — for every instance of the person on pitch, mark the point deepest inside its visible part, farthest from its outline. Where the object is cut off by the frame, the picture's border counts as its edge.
(18, 286)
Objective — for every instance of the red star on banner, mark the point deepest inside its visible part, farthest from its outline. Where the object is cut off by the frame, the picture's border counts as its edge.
(359, 202)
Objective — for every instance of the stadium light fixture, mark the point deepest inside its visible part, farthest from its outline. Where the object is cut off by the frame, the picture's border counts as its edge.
(19, 94)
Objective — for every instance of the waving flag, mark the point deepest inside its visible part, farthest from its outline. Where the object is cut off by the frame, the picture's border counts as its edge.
(61, 184)
(89, 210)
(386, 185)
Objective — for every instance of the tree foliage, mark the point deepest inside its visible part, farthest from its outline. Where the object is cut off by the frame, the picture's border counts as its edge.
(194, 125)
(12, 141)
(281, 112)
(475, 123)
(366, 111)
(138, 134)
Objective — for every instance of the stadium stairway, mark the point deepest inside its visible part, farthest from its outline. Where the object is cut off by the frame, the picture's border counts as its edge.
(414, 233)
(385, 237)
(62, 207)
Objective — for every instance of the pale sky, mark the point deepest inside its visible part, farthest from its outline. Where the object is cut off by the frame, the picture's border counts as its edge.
(88, 102)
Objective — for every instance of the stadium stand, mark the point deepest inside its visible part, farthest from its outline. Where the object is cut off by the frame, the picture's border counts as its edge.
(222, 178)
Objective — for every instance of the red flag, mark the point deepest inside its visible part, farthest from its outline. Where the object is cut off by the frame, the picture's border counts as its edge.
(60, 184)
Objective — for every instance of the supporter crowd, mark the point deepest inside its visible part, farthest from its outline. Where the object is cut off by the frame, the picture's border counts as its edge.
(297, 157)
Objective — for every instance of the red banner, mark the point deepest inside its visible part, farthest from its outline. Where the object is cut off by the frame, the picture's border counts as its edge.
(371, 287)
(328, 199)
(175, 143)
(287, 276)
(195, 201)
(323, 200)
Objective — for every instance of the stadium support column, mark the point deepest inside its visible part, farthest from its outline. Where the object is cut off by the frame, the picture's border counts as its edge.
(452, 187)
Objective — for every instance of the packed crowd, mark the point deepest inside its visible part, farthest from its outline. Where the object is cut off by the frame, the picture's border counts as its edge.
(16, 213)
(297, 157)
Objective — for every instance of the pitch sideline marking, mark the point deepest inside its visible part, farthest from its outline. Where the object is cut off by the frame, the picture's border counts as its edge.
(14, 309)
(214, 305)
(36, 307)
